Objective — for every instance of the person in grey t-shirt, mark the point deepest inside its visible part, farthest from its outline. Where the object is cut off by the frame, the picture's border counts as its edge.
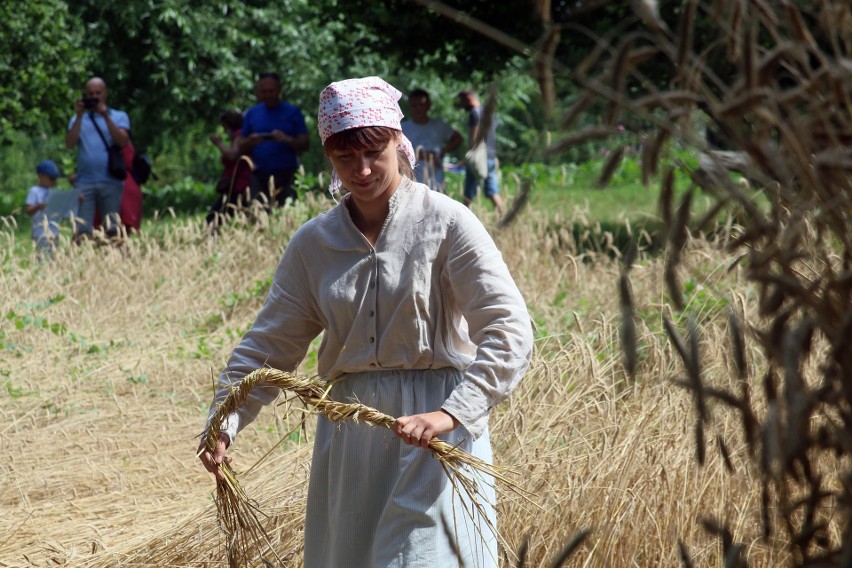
(432, 139)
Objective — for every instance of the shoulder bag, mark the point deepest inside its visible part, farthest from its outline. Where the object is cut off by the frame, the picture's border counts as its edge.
(477, 159)
(116, 166)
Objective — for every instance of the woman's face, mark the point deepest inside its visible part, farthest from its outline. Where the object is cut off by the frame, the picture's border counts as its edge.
(370, 174)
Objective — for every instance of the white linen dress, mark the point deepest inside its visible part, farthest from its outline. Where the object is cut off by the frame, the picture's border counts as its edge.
(428, 318)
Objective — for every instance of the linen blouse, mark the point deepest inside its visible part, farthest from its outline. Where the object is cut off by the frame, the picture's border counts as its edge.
(434, 292)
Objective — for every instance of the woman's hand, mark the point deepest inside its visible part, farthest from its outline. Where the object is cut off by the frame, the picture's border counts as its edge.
(211, 461)
(419, 429)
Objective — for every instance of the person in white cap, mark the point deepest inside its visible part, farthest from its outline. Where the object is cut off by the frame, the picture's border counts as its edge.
(421, 320)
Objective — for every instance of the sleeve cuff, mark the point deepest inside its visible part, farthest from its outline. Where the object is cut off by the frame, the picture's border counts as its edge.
(230, 426)
(470, 407)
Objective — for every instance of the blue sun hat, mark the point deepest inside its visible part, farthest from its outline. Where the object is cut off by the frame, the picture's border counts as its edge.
(49, 169)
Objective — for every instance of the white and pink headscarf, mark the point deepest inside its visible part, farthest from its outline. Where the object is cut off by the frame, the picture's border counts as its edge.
(355, 103)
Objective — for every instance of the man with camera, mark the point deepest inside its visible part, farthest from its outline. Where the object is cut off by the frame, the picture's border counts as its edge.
(273, 134)
(93, 129)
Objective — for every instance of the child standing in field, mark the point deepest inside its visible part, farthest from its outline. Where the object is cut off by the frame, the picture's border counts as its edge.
(44, 232)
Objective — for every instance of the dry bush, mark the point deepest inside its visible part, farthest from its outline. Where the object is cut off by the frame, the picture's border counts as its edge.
(774, 82)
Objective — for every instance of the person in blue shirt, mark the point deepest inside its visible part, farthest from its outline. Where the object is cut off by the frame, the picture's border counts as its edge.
(92, 120)
(274, 133)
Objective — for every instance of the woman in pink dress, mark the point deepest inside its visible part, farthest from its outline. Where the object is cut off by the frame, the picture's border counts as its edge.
(236, 171)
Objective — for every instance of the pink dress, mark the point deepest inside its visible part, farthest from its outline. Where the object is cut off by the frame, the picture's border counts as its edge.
(131, 200)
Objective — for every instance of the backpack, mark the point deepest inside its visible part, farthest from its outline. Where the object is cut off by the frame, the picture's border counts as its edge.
(141, 170)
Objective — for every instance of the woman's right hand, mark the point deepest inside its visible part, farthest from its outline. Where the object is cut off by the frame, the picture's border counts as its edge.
(212, 461)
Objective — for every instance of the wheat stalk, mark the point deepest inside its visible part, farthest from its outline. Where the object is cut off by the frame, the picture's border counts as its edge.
(240, 517)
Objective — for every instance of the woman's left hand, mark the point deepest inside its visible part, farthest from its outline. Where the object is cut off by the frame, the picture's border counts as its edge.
(419, 429)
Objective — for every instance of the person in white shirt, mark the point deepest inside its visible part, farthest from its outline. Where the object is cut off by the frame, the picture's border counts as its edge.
(420, 318)
(432, 139)
(44, 231)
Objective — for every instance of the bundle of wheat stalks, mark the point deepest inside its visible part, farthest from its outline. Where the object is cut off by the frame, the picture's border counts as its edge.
(239, 516)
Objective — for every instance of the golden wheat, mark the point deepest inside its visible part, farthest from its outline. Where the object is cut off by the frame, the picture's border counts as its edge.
(98, 418)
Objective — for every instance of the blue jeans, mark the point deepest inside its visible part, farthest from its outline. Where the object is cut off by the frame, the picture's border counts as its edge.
(471, 182)
(104, 197)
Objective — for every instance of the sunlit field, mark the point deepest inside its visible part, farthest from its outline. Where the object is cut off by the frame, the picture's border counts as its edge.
(107, 358)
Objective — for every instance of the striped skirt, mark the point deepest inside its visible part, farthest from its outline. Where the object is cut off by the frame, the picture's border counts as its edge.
(374, 501)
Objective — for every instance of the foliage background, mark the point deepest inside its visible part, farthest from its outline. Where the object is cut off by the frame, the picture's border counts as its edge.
(174, 66)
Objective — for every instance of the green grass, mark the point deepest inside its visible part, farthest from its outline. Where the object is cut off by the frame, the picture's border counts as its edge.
(568, 189)
(564, 191)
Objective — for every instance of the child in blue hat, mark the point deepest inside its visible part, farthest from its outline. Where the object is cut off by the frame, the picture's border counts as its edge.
(44, 230)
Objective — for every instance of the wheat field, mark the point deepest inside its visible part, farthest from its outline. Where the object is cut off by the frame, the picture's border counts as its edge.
(108, 357)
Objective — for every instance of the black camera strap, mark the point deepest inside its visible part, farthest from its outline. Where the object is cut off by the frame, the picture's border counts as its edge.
(101, 134)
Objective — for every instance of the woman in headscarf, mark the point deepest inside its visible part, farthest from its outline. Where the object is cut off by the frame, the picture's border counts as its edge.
(421, 320)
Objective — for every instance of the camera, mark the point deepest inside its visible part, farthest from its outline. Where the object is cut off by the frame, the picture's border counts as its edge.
(91, 103)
